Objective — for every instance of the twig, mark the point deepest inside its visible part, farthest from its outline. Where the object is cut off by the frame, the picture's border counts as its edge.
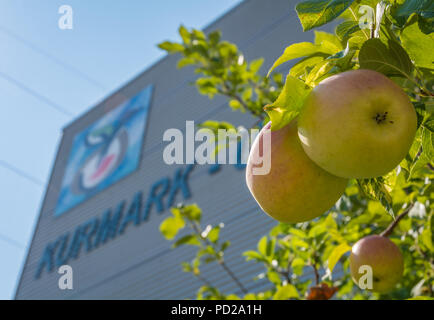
(227, 92)
(372, 30)
(284, 273)
(204, 280)
(316, 273)
(395, 222)
(232, 275)
(221, 262)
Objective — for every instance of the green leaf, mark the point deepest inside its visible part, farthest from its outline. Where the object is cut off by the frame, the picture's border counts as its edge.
(185, 35)
(336, 254)
(214, 37)
(376, 189)
(327, 41)
(419, 46)
(195, 265)
(274, 277)
(207, 251)
(271, 245)
(209, 259)
(302, 67)
(227, 49)
(198, 34)
(297, 232)
(171, 47)
(317, 230)
(315, 13)
(426, 25)
(185, 62)
(298, 243)
(186, 267)
(262, 246)
(288, 104)
(213, 235)
(216, 125)
(316, 74)
(188, 239)
(421, 298)
(429, 125)
(428, 143)
(247, 94)
(427, 154)
(298, 50)
(345, 29)
(330, 223)
(286, 292)
(192, 212)
(225, 245)
(426, 238)
(208, 86)
(170, 226)
(421, 113)
(402, 10)
(255, 65)
(298, 265)
(391, 60)
(356, 41)
(253, 255)
(235, 104)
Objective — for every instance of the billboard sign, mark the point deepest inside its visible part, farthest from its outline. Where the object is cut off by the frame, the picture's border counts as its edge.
(105, 152)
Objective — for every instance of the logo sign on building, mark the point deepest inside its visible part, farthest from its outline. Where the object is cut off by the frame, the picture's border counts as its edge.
(105, 152)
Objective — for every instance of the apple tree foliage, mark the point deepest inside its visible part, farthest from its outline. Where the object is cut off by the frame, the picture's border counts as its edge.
(310, 260)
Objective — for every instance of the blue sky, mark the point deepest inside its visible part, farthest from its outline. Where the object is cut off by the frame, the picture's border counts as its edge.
(49, 75)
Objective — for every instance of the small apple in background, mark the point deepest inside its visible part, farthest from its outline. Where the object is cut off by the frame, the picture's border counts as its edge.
(357, 124)
(295, 189)
(383, 256)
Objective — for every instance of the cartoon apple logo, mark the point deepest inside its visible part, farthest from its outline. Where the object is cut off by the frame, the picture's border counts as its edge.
(111, 143)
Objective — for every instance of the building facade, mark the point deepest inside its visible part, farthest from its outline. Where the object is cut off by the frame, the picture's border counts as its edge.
(110, 189)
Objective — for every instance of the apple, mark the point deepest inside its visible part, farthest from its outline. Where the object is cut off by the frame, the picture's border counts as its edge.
(295, 189)
(383, 256)
(357, 124)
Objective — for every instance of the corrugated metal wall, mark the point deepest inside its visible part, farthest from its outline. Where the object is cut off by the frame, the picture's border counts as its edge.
(140, 263)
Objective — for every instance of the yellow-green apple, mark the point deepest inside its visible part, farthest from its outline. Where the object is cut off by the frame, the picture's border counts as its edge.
(357, 124)
(383, 258)
(295, 189)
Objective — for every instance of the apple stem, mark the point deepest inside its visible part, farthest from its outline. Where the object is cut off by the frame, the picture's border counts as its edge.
(395, 222)
(315, 269)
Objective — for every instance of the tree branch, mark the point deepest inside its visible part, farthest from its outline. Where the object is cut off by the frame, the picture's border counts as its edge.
(395, 222)
(204, 280)
(316, 273)
(232, 275)
(221, 262)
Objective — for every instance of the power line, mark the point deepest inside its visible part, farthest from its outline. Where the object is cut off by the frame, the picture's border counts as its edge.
(21, 173)
(52, 58)
(28, 177)
(11, 241)
(42, 98)
(35, 94)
